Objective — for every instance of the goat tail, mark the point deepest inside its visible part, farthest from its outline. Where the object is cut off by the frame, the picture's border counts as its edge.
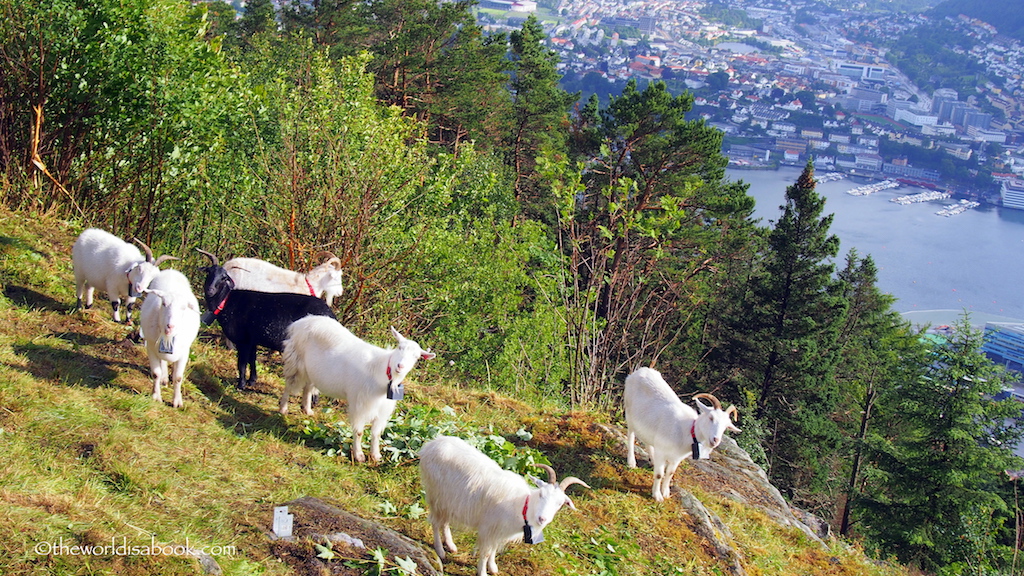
(292, 356)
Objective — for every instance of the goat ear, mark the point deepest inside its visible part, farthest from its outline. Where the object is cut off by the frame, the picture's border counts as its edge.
(540, 483)
(732, 428)
(569, 502)
(701, 407)
(427, 354)
(397, 336)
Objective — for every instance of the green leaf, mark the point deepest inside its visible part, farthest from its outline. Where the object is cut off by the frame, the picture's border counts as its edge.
(406, 565)
(325, 552)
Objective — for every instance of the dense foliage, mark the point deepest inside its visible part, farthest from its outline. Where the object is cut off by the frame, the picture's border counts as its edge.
(541, 245)
(934, 56)
(1007, 17)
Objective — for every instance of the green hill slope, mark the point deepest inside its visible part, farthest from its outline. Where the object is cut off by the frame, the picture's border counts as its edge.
(1007, 16)
(89, 459)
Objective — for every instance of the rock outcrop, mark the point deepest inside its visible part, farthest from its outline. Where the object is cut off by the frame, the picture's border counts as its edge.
(317, 521)
(734, 475)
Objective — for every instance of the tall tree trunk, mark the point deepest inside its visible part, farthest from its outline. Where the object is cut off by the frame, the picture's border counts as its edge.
(869, 399)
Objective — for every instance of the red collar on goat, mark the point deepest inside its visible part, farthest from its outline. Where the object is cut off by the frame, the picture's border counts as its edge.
(220, 306)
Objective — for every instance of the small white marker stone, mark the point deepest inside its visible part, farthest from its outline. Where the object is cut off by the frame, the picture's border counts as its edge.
(283, 522)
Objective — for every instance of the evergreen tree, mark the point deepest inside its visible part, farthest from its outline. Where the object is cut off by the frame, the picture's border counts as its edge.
(540, 107)
(431, 60)
(942, 502)
(878, 352)
(340, 25)
(259, 18)
(785, 340)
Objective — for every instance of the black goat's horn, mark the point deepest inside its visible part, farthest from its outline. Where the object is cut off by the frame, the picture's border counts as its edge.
(212, 258)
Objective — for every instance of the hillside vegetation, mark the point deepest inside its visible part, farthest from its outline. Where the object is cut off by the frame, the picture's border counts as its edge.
(1007, 17)
(90, 458)
(543, 247)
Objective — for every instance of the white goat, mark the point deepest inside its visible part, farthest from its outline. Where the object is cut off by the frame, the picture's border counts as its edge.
(102, 260)
(466, 488)
(321, 354)
(169, 323)
(669, 428)
(323, 281)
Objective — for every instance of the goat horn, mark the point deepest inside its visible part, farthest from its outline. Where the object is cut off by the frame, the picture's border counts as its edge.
(165, 258)
(566, 482)
(212, 258)
(732, 410)
(552, 477)
(714, 401)
(325, 254)
(149, 253)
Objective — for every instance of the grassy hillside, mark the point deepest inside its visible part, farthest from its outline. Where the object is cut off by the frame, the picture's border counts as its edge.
(90, 459)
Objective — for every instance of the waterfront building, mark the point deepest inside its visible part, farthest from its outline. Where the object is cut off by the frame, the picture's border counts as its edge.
(1003, 342)
(1012, 194)
(906, 171)
(871, 162)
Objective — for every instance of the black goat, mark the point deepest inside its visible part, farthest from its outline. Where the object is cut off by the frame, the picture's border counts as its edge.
(250, 319)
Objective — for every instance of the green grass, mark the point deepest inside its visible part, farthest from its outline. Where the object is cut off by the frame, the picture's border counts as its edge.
(89, 458)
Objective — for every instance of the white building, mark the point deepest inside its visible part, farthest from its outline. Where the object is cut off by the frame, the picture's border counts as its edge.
(915, 117)
(1012, 194)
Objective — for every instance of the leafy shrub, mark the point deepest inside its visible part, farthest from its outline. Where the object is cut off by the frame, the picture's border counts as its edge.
(411, 428)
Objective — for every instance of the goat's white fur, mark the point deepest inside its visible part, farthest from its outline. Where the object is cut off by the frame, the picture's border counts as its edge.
(262, 276)
(102, 260)
(659, 419)
(170, 314)
(466, 488)
(321, 354)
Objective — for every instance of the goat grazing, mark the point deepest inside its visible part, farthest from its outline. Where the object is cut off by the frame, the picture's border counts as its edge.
(323, 281)
(169, 323)
(466, 488)
(321, 354)
(671, 430)
(102, 260)
(250, 319)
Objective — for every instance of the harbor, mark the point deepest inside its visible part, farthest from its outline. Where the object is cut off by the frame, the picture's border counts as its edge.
(908, 199)
(958, 208)
(915, 249)
(829, 177)
(873, 187)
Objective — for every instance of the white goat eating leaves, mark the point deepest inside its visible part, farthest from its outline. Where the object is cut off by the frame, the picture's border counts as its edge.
(321, 354)
(671, 430)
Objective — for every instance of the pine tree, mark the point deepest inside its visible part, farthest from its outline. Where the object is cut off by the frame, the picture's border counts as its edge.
(878, 352)
(785, 342)
(259, 18)
(540, 107)
(653, 221)
(942, 502)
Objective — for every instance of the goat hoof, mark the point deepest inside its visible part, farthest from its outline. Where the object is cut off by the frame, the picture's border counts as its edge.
(360, 458)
